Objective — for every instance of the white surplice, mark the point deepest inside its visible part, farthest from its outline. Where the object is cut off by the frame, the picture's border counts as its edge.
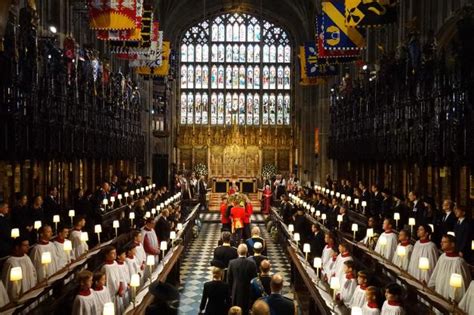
(327, 261)
(425, 249)
(78, 247)
(36, 254)
(388, 309)
(338, 268)
(84, 305)
(467, 301)
(101, 297)
(4, 299)
(358, 298)
(29, 279)
(402, 262)
(388, 249)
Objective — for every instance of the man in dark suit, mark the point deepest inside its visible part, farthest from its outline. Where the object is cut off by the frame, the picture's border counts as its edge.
(225, 252)
(216, 295)
(301, 224)
(241, 272)
(463, 232)
(316, 241)
(163, 226)
(417, 210)
(445, 222)
(202, 192)
(279, 305)
(5, 229)
(51, 204)
(376, 201)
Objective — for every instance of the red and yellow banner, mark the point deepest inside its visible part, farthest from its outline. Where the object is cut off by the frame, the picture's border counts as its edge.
(112, 14)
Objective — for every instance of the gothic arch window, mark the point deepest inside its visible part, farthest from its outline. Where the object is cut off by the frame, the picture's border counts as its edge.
(235, 69)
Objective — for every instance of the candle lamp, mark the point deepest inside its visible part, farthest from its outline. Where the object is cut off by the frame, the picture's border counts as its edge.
(45, 261)
(291, 228)
(56, 220)
(37, 225)
(84, 237)
(119, 198)
(134, 284)
(338, 194)
(364, 204)
(423, 265)
(131, 216)
(343, 196)
(16, 275)
(411, 223)
(401, 252)
(98, 230)
(116, 225)
(153, 185)
(150, 262)
(126, 196)
(396, 217)
(451, 233)
(147, 214)
(132, 193)
(332, 193)
(142, 190)
(355, 228)
(339, 220)
(317, 263)
(68, 248)
(455, 282)
(335, 286)
(312, 209)
(15, 232)
(163, 248)
(112, 201)
(172, 235)
(296, 238)
(472, 245)
(179, 226)
(306, 250)
(318, 214)
(105, 202)
(109, 309)
(72, 214)
(323, 216)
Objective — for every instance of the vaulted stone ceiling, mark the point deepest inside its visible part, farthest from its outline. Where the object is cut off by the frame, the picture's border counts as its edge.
(296, 16)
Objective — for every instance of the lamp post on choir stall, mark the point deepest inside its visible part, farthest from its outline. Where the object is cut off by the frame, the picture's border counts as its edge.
(396, 217)
(163, 248)
(411, 223)
(119, 198)
(131, 216)
(16, 275)
(72, 214)
(116, 225)
(364, 204)
(150, 262)
(317, 263)
(134, 284)
(98, 230)
(68, 248)
(306, 250)
(56, 220)
(455, 282)
(355, 228)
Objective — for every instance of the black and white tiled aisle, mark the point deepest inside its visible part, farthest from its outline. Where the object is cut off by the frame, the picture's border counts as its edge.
(196, 270)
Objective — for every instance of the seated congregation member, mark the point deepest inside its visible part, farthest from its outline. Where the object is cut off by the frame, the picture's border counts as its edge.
(404, 241)
(423, 248)
(241, 272)
(467, 301)
(63, 257)
(78, 247)
(140, 255)
(115, 284)
(102, 294)
(349, 284)
(225, 253)
(371, 307)
(165, 299)
(279, 305)
(44, 245)
(257, 257)
(316, 240)
(225, 220)
(261, 283)
(151, 245)
(448, 263)
(387, 242)
(216, 295)
(254, 239)
(4, 299)
(392, 304)
(85, 302)
(19, 258)
(359, 297)
(338, 267)
(328, 252)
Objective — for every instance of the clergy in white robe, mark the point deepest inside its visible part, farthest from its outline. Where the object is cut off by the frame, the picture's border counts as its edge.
(140, 254)
(63, 257)
(423, 248)
(338, 267)
(4, 299)
(19, 258)
(387, 242)
(113, 275)
(44, 245)
(392, 305)
(78, 247)
(467, 301)
(349, 285)
(402, 255)
(448, 263)
(84, 303)
(358, 298)
(101, 293)
(327, 255)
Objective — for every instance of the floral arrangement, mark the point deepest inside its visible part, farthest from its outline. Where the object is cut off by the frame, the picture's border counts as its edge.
(269, 170)
(238, 198)
(200, 169)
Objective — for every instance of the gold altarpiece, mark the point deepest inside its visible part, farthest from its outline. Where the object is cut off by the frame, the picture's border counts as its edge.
(237, 151)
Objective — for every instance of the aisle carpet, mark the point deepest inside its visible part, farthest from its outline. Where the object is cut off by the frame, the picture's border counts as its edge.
(196, 270)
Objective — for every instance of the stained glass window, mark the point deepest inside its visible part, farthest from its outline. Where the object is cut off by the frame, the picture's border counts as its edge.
(235, 69)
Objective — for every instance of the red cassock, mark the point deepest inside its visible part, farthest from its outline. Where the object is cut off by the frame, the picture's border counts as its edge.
(231, 191)
(248, 213)
(224, 218)
(267, 199)
(238, 216)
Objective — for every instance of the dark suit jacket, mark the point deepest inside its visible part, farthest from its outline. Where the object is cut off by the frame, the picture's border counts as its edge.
(463, 232)
(317, 244)
(280, 305)
(447, 225)
(418, 212)
(217, 296)
(225, 254)
(51, 207)
(257, 260)
(163, 229)
(241, 272)
(302, 226)
(5, 230)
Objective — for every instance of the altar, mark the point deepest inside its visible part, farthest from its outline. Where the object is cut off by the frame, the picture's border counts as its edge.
(245, 184)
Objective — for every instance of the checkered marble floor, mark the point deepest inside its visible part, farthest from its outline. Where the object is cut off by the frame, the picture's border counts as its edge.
(196, 270)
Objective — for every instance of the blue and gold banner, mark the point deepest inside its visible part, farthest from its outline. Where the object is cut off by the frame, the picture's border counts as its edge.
(370, 13)
(311, 68)
(336, 34)
(332, 56)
